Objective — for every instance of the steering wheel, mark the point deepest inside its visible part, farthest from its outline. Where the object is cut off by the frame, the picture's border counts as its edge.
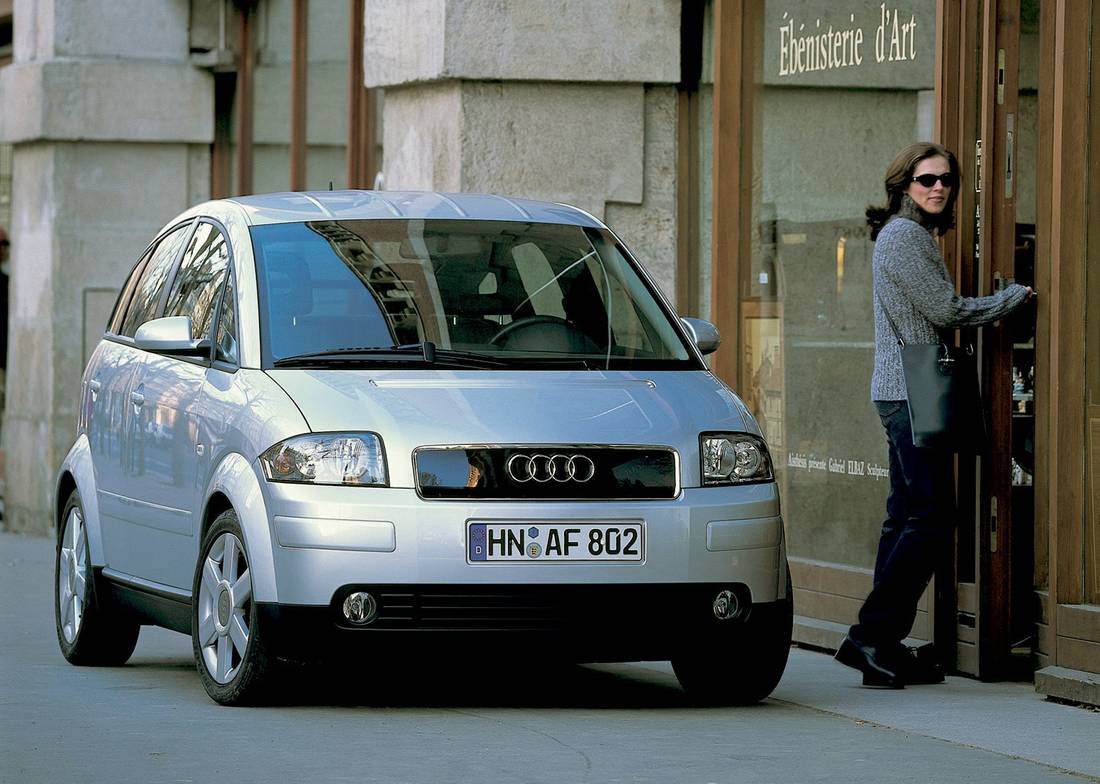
(552, 325)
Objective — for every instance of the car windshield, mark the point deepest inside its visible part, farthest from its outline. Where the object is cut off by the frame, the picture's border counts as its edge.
(458, 292)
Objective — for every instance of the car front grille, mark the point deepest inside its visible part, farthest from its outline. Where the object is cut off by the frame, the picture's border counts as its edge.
(552, 472)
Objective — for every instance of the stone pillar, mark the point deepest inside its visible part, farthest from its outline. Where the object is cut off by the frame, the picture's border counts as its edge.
(111, 126)
(570, 101)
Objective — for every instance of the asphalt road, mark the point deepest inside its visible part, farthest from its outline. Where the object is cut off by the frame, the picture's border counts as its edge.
(486, 721)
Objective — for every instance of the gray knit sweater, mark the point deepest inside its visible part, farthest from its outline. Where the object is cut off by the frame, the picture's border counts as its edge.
(912, 282)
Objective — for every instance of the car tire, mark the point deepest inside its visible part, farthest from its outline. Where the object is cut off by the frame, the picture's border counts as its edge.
(748, 664)
(232, 659)
(89, 632)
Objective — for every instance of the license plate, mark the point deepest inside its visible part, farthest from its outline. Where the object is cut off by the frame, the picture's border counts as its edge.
(525, 541)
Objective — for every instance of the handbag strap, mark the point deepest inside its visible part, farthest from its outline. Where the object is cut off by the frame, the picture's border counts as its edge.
(886, 313)
(894, 327)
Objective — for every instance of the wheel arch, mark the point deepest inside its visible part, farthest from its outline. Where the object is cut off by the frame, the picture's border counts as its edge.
(66, 484)
(216, 505)
(77, 473)
(235, 485)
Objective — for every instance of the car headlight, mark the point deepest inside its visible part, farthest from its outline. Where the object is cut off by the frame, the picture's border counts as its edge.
(734, 458)
(327, 459)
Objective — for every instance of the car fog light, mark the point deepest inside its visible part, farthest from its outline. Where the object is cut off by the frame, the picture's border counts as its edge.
(726, 605)
(360, 608)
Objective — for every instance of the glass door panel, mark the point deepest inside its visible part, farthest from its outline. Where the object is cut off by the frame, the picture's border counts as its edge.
(1021, 338)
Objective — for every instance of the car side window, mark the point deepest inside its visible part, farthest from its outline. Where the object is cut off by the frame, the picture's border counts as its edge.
(226, 342)
(114, 324)
(146, 298)
(198, 282)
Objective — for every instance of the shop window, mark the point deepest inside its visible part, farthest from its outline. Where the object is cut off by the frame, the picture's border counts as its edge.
(840, 87)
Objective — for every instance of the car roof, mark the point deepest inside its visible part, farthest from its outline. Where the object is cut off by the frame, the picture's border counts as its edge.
(373, 205)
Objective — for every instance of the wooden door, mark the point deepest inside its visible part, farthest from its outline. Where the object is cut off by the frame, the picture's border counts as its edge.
(988, 98)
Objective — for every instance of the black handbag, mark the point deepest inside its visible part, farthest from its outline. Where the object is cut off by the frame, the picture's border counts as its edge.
(941, 384)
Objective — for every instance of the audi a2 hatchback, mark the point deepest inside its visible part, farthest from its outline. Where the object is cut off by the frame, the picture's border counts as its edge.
(385, 423)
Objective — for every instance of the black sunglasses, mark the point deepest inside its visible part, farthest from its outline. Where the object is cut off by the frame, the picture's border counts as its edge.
(948, 179)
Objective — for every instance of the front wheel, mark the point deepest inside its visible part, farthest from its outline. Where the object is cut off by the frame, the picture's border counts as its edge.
(88, 632)
(746, 666)
(230, 654)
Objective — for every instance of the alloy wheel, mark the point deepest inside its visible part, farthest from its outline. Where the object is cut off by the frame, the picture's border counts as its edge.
(72, 575)
(224, 608)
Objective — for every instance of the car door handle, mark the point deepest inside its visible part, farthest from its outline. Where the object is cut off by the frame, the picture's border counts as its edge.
(94, 384)
(137, 398)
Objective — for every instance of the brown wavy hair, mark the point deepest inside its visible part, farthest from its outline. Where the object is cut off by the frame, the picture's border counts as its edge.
(898, 176)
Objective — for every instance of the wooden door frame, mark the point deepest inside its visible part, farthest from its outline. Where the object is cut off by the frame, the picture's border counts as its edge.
(362, 159)
(955, 122)
(999, 131)
(1065, 304)
(732, 176)
(299, 93)
(1091, 590)
(1073, 632)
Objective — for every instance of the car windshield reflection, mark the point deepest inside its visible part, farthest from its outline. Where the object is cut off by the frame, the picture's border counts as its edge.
(472, 294)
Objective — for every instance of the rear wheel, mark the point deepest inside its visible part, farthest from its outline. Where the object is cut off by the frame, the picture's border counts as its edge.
(231, 656)
(88, 632)
(747, 665)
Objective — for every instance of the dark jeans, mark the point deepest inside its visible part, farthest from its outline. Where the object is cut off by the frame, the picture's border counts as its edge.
(920, 518)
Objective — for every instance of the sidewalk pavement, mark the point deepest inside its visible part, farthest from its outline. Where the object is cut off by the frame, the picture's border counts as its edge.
(1004, 718)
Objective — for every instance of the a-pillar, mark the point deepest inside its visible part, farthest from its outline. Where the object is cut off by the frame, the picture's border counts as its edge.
(111, 127)
(571, 101)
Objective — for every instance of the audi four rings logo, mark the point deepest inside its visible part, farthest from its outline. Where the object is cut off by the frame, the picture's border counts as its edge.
(550, 468)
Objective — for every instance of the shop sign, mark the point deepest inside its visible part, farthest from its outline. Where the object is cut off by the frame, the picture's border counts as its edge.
(884, 45)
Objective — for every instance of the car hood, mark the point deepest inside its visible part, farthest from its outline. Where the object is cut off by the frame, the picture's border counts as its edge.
(413, 408)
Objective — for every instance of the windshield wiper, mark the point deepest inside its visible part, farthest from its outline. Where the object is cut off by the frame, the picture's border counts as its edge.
(426, 352)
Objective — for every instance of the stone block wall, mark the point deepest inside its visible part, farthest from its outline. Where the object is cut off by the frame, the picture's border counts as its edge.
(111, 127)
(566, 101)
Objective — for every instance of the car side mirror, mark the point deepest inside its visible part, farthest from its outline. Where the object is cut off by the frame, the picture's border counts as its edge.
(170, 335)
(704, 334)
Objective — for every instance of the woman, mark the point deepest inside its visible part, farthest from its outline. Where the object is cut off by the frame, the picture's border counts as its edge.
(912, 287)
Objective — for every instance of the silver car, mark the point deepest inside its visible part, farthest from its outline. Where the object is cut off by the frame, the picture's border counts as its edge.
(377, 422)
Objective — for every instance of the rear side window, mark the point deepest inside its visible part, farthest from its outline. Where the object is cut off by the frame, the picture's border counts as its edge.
(198, 282)
(150, 288)
(115, 324)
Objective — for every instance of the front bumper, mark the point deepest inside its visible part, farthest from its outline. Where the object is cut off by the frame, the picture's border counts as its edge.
(578, 623)
(326, 538)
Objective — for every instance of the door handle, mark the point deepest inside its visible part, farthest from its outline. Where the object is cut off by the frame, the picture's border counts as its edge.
(137, 398)
(94, 384)
(993, 524)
